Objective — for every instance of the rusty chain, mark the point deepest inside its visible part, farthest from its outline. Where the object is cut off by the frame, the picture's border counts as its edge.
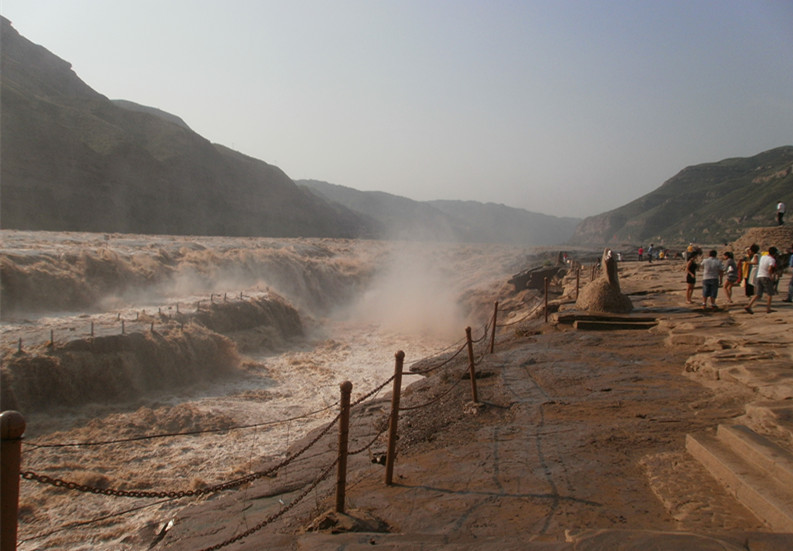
(436, 398)
(277, 515)
(29, 475)
(372, 392)
(174, 434)
(521, 320)
(445, 362)
(69, 485)
(532, 310)
(371, 443)
(59, 483)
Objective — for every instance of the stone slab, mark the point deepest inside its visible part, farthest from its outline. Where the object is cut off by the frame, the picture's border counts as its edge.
(760, 451)
(751, 486)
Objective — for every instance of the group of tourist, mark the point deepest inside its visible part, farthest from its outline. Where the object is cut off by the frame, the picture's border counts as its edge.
(757, 272)
(652, 253)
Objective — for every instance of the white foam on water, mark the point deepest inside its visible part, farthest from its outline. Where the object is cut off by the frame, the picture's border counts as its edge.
(362, 301)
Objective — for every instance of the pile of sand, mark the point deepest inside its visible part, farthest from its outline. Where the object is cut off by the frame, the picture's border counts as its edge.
(780, 237)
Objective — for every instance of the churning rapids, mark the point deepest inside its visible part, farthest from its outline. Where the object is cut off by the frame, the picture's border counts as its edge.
(109, 336)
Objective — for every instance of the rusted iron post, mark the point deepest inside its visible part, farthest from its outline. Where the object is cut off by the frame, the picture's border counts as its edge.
(123, 328)
(394, 419)
(92, 329)
(12, 427)
(594, 267)
(493, 333)
(577, 281)
(471, 366)
(52, 338)
(546, 300)
(344, 432)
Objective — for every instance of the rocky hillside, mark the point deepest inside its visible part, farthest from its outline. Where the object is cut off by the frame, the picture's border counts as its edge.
(780, 237)
(74, 160)
(485, 222)
(707, 203)
(464, 221)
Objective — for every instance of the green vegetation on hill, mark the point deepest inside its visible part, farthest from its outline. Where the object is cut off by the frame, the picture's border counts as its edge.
(707, 203)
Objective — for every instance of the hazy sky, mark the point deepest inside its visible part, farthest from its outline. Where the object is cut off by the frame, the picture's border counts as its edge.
(563, 107)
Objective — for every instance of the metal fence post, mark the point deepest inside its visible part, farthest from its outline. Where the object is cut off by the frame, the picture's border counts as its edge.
(471, 366)
(344, 432)
(12, 427)
(546, 300)
(394, 419)
(493, 333)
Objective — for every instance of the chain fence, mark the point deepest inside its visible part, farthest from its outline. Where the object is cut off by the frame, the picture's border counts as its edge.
(177, 314)
(175, 494)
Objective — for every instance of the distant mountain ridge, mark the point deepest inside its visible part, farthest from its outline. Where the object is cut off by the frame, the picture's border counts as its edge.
(132, 106)
(464, 221)
(72, 160)
(706, 203)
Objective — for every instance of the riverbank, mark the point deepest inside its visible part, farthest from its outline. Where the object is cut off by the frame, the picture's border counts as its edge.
(580, 442)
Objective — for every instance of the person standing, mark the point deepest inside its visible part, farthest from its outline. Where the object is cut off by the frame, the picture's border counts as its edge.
(765, 280)
(731, 273)
(750, 269)
(790, 284)
(780, 213)
(712, 271)
(691, 275)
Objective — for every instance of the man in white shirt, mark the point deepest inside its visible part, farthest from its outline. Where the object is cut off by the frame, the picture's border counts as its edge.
(712, 271)
(765, 282)
(780, 213)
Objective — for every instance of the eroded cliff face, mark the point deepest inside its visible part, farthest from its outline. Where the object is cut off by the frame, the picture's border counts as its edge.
(600, 230)
(177, 350)
(75, 161)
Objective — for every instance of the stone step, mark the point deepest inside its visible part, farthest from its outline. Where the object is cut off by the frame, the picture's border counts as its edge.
(765, 496)
(587, 325)
(758, 450)
(571, 317)
(772, 417)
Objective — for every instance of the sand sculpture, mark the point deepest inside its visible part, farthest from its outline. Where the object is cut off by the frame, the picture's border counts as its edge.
(603, 294)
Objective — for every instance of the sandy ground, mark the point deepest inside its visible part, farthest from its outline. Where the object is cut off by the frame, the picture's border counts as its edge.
(578, 443)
